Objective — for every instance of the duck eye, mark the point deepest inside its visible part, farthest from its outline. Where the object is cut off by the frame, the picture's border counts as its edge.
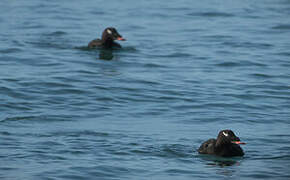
(225, 134)
(109, 31)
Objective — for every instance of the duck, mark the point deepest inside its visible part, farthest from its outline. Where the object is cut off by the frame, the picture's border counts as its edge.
(109, 35)
(227, 144)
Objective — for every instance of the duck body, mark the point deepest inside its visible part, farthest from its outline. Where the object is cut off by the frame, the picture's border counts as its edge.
(106, 44)
(109, 36)
(226, 145)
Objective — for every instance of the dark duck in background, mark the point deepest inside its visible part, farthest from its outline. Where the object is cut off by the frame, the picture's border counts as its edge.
(109, 35)
(227, 144)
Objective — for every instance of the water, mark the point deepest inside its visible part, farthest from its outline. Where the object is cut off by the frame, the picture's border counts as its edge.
(188, 70)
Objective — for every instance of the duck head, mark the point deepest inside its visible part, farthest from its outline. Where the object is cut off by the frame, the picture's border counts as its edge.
(227, 137)
(111, 34)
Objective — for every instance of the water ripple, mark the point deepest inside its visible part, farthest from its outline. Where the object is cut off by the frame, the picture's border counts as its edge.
(212, 14)
(187, 70)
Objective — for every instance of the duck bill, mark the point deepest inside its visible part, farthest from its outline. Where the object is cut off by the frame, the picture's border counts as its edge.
(121, 39)
(238, 142)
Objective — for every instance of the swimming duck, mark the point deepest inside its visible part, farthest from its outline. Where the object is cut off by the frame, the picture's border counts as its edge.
(227, 144)
(109, 35)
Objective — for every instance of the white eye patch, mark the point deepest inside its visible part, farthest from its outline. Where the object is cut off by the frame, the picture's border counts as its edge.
(225, 134)
(109, 31)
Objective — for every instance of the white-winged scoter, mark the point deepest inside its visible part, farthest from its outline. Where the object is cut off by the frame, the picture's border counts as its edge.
(226, 145)
(109, 35)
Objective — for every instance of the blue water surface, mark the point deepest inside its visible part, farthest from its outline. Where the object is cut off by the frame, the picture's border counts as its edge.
(187, 70)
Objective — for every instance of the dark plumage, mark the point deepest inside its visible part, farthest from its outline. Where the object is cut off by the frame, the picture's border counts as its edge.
(226, 145)
(109, 35)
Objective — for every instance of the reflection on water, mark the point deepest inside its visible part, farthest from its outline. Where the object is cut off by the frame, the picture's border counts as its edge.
(221, 161)
(106, 54)
(225, 166)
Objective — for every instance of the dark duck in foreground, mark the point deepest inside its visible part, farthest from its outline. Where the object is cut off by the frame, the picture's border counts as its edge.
(109, 35)
(227, 144)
